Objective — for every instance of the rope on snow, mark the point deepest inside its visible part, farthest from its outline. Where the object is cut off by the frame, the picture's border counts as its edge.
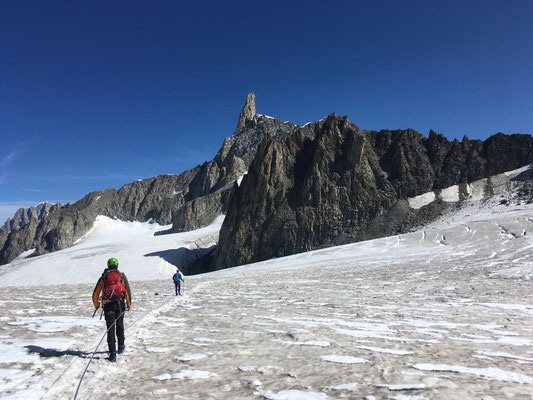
(99, 343)
(94, 352)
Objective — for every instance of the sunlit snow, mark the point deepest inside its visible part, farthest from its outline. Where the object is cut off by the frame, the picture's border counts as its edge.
(440, 313)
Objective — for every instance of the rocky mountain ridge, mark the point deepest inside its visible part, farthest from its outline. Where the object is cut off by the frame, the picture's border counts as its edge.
(326, 183)
(347, 185)
(24, 215)
(189, 200)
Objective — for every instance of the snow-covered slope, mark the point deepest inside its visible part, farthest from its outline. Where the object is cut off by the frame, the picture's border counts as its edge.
(442, 313)
(145, 251)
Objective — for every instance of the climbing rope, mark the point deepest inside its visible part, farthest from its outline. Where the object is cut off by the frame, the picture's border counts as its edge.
(99, 343)
(94, 352)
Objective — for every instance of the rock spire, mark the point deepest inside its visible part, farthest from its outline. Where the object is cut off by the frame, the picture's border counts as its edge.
(248, 111)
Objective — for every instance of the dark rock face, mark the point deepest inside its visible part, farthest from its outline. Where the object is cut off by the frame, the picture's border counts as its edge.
(215, 178)
(347, 184)
(20, 239)
(248, 111)
(3, 237)
(24, 215)
(322, 184)
(153, 198)
(196, 197)
(200, 212)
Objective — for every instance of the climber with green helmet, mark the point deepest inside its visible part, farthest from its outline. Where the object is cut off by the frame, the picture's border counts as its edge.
(116, 298)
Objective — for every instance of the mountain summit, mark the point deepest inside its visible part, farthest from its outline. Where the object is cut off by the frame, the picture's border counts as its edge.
(248, 111)
(326, 183)
(189, 200)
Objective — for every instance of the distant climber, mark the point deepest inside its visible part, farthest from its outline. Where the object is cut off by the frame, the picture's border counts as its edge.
(115, 289)
(177, 278)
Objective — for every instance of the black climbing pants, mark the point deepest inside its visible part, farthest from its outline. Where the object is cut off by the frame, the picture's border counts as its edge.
(177, 284)
(112, 311)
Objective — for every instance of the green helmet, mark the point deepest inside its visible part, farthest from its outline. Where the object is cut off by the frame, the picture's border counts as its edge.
(112, 262)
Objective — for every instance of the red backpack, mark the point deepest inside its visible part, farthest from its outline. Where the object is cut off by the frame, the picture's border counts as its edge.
(114, 288)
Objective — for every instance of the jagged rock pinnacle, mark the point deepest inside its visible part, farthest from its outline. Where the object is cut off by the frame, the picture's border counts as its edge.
(248, 111)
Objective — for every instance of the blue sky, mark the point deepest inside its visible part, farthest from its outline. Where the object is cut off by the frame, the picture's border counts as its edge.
(94, 95)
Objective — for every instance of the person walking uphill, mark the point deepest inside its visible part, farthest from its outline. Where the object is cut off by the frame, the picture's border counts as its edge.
(178, 278)
(116, 296)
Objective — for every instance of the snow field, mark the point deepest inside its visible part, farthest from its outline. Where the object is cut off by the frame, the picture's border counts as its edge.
(434, 314)
(145, 251)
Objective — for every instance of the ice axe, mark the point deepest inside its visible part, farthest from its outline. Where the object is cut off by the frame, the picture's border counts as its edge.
(96, 309)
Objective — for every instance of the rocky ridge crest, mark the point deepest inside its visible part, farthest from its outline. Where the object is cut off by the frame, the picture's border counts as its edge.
(347, 185)
(189, 200)
(24, 215)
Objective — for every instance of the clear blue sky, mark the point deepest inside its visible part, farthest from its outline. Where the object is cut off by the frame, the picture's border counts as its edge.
(96, 94)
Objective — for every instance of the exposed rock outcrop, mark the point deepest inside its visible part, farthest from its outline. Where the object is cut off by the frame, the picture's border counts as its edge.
(318, 185)
(215, 178)
(248, 112)
(347, 184)
(24, 215)
(196, 197)
(200, 212)
(3, 237)
(20, 239)
(153, 198)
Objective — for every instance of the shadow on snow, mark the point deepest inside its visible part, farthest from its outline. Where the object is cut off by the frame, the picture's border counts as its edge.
(183, 257)
(47, 352)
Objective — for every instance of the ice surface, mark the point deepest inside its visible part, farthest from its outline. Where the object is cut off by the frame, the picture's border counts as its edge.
(262, 370)
(401, 386)
(290, 395)
(489, 373)
(185, 374)
(320, 343)
(52, 323)
(436, 299)
(344, 386)
(382, 350)
(191, 356)
(152, 349)
(506, 355)
(343, 359)
(407, 397)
